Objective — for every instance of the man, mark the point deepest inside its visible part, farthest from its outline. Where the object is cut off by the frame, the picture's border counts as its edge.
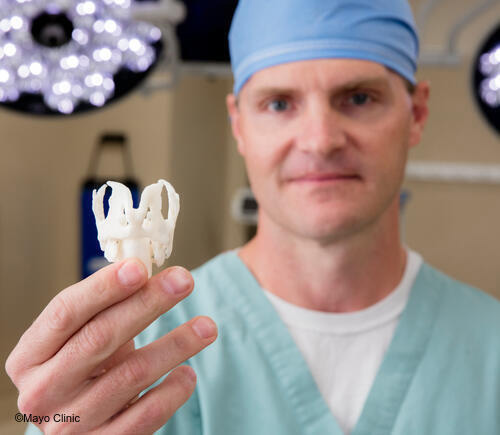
(326, 323)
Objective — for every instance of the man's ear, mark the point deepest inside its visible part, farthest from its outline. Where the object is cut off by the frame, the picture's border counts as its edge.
(420, 112)
(234, 117)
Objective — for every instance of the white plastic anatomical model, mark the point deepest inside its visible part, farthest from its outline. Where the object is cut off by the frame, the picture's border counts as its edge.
(136, 232)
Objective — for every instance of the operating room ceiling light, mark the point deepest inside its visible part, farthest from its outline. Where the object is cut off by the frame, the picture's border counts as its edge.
(486, 79)
(490, 85)
(64, 56)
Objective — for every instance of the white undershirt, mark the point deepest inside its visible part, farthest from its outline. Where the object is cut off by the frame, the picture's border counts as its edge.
(344, 350)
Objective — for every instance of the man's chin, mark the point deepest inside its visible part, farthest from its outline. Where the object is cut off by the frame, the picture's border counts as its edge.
(327, 230)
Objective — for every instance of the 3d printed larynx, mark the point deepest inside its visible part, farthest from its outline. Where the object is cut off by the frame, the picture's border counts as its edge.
(140, 233)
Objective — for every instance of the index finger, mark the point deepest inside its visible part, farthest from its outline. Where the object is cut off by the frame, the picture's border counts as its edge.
(75, 306)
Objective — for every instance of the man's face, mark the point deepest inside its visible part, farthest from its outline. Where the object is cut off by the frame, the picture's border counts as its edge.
(325, 143)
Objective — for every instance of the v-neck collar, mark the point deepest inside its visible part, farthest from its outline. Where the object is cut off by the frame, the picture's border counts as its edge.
(403, 356)
(393, 377)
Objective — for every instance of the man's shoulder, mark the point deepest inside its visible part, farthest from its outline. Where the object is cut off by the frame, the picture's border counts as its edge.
(473, 306)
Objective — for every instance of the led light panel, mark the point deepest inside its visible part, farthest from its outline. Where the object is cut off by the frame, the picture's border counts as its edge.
(486, 79)
(62, 56)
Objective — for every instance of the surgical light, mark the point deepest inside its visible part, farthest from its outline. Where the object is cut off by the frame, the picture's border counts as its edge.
(486, 79)
(65, 56)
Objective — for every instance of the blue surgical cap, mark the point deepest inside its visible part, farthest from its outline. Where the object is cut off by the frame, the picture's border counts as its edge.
(265, 33)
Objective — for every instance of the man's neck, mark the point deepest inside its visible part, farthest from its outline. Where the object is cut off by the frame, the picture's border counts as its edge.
(344, 276)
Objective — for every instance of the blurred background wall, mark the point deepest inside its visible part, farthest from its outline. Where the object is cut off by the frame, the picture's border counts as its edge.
(183, 135)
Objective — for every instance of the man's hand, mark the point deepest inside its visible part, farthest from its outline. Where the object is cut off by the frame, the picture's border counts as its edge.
(78, 356)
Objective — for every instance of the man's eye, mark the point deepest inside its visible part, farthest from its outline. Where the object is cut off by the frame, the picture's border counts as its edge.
(359, 99)
(278, 105)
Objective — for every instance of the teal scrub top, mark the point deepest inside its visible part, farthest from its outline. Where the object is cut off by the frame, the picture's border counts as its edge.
(440, 375)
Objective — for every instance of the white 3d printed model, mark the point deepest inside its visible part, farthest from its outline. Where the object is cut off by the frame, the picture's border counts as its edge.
(140, 233)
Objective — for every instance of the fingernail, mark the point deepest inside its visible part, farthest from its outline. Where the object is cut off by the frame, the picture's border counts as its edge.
(131, 273)
(176, 282)
(204, 328)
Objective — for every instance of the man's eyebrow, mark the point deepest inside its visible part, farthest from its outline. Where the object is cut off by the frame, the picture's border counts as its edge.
(365, 82)
(273, 90)
(352, 84)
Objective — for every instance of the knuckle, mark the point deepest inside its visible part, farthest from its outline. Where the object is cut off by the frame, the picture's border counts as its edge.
(134, 370)
(63, 428)
(148, 417)
(59, 314)
(94, 338)
(23, 403)
(181, 343)
(149, 299)
(152, 413)
(184, 384)
(100, 281)
(11, 367)
(53, 428)
(30, 400)
(50, 429)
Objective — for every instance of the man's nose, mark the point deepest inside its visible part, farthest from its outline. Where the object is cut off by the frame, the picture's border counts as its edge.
(322, 130)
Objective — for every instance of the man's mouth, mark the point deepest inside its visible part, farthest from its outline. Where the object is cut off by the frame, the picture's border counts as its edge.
(324, 178)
